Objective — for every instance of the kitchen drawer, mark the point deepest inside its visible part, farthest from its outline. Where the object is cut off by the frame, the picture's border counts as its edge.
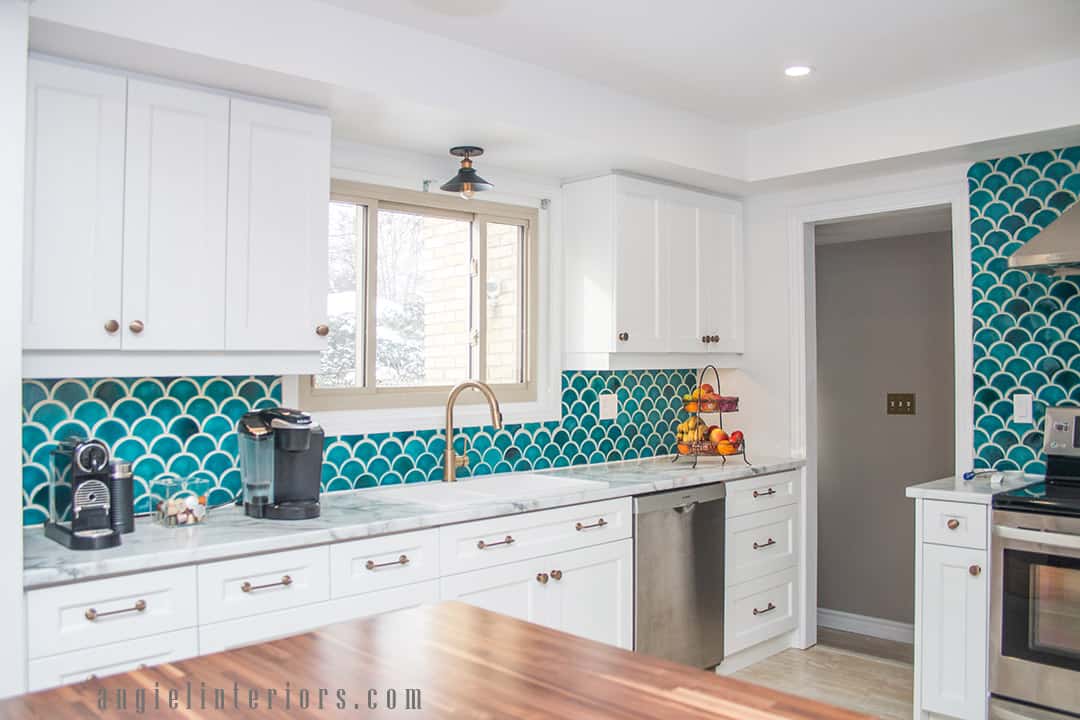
(121, 657)
(761, 544)
(295, 621)
(59, 618)
(377, 563)
(485, 543)
(263, 583)
(762, 493)
(954, 523)
(759, 610)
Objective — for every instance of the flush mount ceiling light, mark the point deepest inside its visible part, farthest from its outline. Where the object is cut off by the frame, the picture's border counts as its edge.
(798, 70)
(466, 183)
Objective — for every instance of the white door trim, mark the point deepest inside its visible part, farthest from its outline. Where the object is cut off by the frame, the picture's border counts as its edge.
(800, 233)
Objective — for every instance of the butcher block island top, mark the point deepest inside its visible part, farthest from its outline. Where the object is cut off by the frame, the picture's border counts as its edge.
(463, 661)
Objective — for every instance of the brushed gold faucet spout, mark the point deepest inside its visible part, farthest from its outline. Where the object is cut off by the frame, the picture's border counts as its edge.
(451, 460)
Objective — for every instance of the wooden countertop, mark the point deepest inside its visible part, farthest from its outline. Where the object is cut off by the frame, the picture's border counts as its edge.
(466, 662)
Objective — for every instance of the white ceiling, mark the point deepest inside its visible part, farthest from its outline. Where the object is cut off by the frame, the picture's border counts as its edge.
(725, 58)
(918, 221)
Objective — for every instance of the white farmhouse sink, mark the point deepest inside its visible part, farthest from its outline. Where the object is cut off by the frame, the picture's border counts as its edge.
(440, 495)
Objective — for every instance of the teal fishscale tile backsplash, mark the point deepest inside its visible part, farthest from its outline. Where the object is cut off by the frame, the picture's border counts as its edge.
(1026, 325)
(187, 426)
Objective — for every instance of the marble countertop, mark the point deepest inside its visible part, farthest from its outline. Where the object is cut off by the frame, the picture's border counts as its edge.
(366, 513)
(978, 490)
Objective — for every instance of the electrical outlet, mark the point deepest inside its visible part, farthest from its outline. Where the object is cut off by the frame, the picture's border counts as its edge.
(609, 406)
(900, 404)
(1022, 411)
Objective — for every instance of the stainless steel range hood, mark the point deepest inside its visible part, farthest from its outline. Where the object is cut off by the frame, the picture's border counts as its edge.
(1056, 250)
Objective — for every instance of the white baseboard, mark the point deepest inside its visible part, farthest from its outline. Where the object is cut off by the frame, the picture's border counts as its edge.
(755, 654)
(865, 625)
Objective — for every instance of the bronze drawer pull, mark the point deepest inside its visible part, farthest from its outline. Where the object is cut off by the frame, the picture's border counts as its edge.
(768, 608)
(372, 565)
(557, 574)
(285, 581)
(542, 578)
(953, 524)
(485, 545)
(92, 614)
(763, 545)
(598, 524)
(770, 491)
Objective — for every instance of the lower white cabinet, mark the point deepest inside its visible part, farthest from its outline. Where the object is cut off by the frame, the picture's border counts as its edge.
(111, 659)
(952, 651)
(587, 592)
(221, 636)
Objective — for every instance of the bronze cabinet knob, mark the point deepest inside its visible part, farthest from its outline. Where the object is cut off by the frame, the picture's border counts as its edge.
(953, 524)
(624, 336)
(136, 326)
(975, 570)
(112, 326)
(557, 574)
(322, 330)
(714, 338)
(542, 578)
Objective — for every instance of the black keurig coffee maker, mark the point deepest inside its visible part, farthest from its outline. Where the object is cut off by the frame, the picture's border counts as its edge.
(81, 475)
(280, 464)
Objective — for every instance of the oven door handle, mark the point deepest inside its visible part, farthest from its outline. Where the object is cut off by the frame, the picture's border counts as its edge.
(1041, 537)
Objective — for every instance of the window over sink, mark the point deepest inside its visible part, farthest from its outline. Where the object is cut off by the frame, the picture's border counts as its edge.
(425, 291)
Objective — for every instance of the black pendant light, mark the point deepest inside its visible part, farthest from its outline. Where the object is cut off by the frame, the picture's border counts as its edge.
(466, 183)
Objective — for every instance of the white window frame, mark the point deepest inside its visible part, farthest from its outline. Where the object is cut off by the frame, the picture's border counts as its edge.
(393, 400)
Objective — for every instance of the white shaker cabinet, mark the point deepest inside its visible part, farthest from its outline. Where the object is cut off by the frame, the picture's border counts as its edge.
(279, 190)
(174, 218)
(518, 589)
(74, 208)
(650, 269)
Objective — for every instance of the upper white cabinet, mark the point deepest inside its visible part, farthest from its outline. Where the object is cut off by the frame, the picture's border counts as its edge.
(170, 219)
(74, 208)
(650, 268)
(279, 189)
(174, 218)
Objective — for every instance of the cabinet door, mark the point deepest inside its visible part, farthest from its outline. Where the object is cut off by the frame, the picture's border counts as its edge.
(685, 304)
(279, 194)
(595, 591)
(640, 262)
(74, 207)
(517, 590)
(954, 631)
(174, 218)
(720, 233)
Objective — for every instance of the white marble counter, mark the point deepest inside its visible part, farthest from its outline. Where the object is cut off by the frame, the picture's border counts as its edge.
(365, 513)
(978, 490)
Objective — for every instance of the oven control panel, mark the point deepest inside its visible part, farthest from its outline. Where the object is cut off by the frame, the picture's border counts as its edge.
(1062, 431)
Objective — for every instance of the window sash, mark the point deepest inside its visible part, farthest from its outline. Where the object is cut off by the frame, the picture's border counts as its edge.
(479, 214)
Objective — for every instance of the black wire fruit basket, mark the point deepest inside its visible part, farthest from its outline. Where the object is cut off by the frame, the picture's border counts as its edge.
(692, 442)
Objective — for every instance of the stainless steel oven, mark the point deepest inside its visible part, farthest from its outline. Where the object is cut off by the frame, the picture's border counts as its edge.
(1035, 610)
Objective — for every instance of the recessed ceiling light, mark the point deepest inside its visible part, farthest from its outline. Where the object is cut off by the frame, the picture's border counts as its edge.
(798, 70)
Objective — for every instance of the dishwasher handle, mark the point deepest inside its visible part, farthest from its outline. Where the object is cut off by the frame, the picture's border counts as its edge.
(687, 508)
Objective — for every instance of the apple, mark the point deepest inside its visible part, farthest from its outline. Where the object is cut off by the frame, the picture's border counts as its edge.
(717, 435)
(736, 437)
(707, 389)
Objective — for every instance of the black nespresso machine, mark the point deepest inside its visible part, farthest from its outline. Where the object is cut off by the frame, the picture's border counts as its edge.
(81, 475)
(280, 464)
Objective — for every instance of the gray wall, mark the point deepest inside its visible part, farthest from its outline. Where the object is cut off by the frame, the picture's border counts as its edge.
(884, 324)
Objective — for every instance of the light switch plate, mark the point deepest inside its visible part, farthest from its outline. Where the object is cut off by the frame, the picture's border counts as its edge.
(1022, 412)
(609, 406)
(900, 404)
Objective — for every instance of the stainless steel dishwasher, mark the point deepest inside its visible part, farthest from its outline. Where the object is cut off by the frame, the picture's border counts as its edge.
(679, 575)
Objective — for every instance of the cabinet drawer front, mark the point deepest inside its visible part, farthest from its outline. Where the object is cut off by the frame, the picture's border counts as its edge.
(231, 634)
(98, 612)
(762, 493)
(954, 523)
(485, 543)
(761, 544)
(262, 583)
(376, 563)
(111, 659)
(759, 610)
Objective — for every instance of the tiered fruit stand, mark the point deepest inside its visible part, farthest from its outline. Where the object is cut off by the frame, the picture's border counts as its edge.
(710, 406)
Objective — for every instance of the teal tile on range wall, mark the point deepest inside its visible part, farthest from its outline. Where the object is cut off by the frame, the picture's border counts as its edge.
(1026, 325)
(187, 426)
